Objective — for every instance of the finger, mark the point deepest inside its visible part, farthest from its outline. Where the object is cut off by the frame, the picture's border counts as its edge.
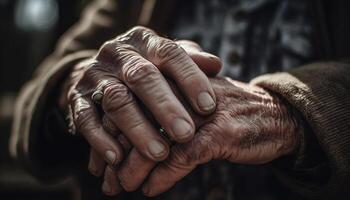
(89, 125)
(113, 130)
(174, 62)
(111, 185)
(198, 120)
(122, 109)
(96, 164)
(124, 142)
(134, 170)
(182, 160)
(110, 127)
(149, 85)
(189, 45)
(208, 63)
(137, 166)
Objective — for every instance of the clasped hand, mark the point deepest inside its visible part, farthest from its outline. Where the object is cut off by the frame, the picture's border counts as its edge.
(149, 82)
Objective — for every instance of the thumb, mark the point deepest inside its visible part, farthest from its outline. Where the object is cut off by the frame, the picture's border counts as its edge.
(208, 63)
(182, 160)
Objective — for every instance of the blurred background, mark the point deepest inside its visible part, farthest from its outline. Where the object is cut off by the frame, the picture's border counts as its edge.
(29, 30)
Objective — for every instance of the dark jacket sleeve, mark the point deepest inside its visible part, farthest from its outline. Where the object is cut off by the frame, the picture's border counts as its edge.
(39, 137)
(320, 168)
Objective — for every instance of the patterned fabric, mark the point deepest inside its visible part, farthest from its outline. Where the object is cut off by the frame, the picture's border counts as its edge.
(251, 37)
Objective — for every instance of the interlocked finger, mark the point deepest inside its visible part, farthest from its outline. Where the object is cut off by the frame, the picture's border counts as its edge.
(88, 123)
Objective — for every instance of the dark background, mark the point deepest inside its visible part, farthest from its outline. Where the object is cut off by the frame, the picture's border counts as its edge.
(29, 30)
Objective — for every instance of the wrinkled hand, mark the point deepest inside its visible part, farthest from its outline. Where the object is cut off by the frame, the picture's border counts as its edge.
(129, 70)
(249, 126)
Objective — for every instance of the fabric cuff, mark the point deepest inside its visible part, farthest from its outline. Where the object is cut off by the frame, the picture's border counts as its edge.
(318, 92)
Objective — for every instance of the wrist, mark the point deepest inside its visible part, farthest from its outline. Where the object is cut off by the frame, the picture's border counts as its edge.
(292, 125)
(297, 122)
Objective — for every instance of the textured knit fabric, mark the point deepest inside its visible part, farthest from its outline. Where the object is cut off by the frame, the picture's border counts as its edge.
(321, 92)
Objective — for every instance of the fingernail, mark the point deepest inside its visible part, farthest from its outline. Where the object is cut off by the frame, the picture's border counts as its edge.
(106, 187)
(156, 148)
(182, 129)
(206, 102)
(111, 157)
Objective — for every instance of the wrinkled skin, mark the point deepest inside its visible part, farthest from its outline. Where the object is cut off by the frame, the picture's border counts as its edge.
(249, 126)
(130, 71)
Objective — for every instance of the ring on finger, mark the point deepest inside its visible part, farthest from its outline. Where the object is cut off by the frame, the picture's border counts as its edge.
(97, 96)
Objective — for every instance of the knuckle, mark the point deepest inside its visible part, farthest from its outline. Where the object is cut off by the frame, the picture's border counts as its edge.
(167, 50)
(137, 33)
(114, 51)
(80, 68)
(203, 152)
(207, 147)
(95, 77)
(140, 73)
(83, 121)
(116, 97)
(189, 74)
(107, 49)
(180, 157)
(91, 74)
(140, 30)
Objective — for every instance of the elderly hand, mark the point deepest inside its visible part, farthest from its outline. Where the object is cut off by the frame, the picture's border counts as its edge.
(249, 126)
(128, 72)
